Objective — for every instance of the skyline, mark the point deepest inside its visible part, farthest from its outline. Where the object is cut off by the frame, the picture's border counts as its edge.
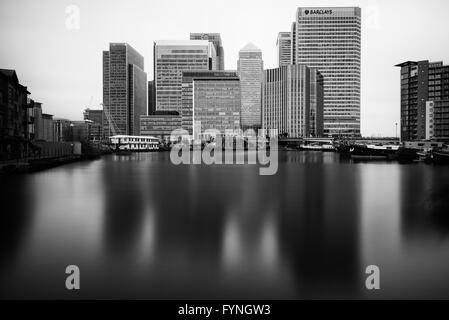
(48, 47)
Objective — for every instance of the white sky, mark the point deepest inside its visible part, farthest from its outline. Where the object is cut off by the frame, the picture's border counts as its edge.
(63, 68)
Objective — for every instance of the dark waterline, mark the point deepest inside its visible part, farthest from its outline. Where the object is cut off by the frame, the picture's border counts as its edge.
(140, 227)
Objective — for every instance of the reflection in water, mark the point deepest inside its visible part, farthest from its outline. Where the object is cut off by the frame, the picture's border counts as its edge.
(140, 227)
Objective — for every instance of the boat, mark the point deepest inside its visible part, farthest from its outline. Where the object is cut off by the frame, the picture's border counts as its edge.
(408, 154)
(123, 144)
(440, 156)
(318, 147)
(374, 152)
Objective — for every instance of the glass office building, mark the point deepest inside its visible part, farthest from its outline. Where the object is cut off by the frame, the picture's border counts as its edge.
(124, 89)
(160, 124)
(211, 98)
(215, 39)
(171, 58)
(250, 71)
(293, 101)
(284, 46)
(329, 39)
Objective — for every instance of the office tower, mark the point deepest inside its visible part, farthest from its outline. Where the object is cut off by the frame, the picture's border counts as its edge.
(171, 58)
(160, 124)
(422, 82)
(289, 94)
(151, 98)
(250, 71)
(214, 100)
(284, 48)
(329, 39)
(215, 39)
(124, 89)
(293, 43)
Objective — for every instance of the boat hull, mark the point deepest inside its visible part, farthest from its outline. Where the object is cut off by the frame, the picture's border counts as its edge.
(440, 157)
(366, 153)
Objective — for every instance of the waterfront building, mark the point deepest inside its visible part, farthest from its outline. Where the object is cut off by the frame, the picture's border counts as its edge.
(293, 101)
(215, 39)
(422, 82)
(171, 58)
(211, 98)
(329, 39)
(35, 130)
(284, 48)
(250, 71)
(48, 130)
(124, 89)
(84, 131)
(13, 115)
(63, 130)
(97, 118)
(160, 124)
(151, 98)
(437, 120)
(316, 100)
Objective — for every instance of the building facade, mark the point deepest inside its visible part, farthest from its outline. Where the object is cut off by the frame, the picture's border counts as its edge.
(211, 100)
(293, 101)
(48, 128)
(293, 43)
(250, 71)
(160, 124)
(329, 39)
(13, 115)
(151, 98)
(437, 120)
(316, 126)
(421, 82)
(63, 130)
(171, 58)
(284, 48)
(124, 89)
(215, 39)
(97, 118)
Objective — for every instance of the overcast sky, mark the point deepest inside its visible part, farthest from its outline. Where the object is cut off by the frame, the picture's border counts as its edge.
(62, 66)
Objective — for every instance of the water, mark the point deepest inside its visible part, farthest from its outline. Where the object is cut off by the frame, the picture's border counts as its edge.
(139, 227)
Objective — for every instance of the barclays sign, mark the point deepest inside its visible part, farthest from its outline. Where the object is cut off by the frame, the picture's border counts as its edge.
(317, 12)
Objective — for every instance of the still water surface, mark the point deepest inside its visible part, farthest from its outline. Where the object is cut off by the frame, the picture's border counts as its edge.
(139, 227)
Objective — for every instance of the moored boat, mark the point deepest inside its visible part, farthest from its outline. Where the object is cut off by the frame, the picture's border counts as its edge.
(374, 152)
(318, 147)
(440, 156)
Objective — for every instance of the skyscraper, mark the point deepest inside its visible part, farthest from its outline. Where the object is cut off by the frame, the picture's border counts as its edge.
(329, 39)
(215, 39)
(124, 89)
(293, 101)
(293, 43)
(250, 70)
(423, 82)
(284, 48)
(171, 58)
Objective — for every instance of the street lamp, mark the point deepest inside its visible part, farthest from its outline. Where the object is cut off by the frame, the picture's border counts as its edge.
(396, 130)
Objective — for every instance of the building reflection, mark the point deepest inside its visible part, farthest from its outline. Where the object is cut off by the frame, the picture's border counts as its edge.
(319, 228)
